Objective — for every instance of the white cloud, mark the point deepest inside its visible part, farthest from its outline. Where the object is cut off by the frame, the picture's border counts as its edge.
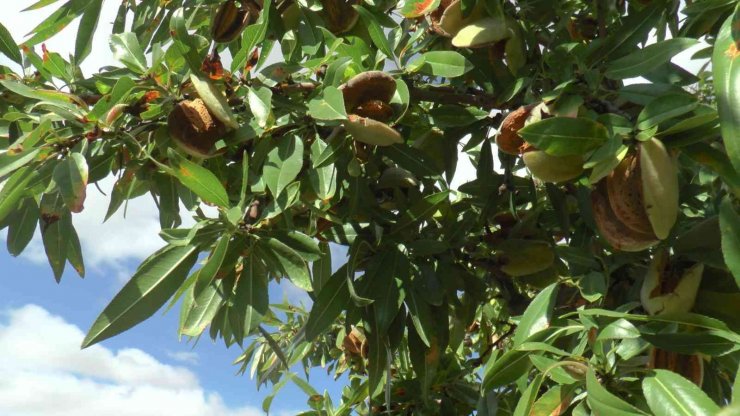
(188, 357)
(44, 373)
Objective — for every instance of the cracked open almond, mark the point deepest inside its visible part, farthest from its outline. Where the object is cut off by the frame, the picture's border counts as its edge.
(195, 129)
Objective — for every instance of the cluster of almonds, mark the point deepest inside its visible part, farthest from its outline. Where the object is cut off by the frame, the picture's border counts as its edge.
(231, 18)
(367, 99)
(477, 30)
(634, 207)
(668, 289)
(543, 166)
(338, 15)
(637, 204)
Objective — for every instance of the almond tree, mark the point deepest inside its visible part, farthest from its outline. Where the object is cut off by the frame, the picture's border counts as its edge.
(590, 266)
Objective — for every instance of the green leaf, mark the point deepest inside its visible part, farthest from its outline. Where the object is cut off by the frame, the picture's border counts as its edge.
(381, 284)
(8, 46)
(203, 309)
(252, 36)
(537, 316)
(58, 98)
(11, 162)
(717, 161)
(693, 342)
(214, 100)
(619, 329)
(199, 180)
(57, 21)
(506, 369)
(121, 90)
(421, 210)
(14, 188)
(260, 103)
(291, 263)
(154, 282)
(323, 179)
(378, 357)
(726, 71)
(416, 8)
(449, 64)
(329, 107)
(208, 272)
(330, 302)
(563, 136)
(251, 295)
(55, 235)
(183, 41)
(126, 49)
(669, 394)
(321, 268)
(376, 31)
(525, 403)
(74, 251)
(729, 224)
(86, 30)
(22, 225)
(305, 246)
(647, 58)
(70, 175)
(283, 164)
(665, 108)
(634, 29)
(602, 402)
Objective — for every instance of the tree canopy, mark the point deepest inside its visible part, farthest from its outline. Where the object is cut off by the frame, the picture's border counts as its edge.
(590, 266)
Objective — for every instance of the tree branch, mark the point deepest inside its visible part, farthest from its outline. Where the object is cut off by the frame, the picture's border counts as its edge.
(444, 95)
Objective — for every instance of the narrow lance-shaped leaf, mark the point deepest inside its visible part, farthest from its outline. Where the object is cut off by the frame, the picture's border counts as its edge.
(74, 251)
(13, 190)
(382, 279)
(126, 49)
(22, 226)
(726, 71)
(260, 103)
(421, 210)
(199, 180)
(213, 264)
(203, 309)
(214, 100)
(154, 282)
(70, 175)
(86, 30)
(449, 64)
(251, 294)
(120, 91)
(538, 314)
(8, 46)
(729, 224)
(283, 164)
(291, 263)
(605, 403)
(376, 31)
(669, 394)
(647, 58)
(54, 234)
(331, 301)
(564, 136)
